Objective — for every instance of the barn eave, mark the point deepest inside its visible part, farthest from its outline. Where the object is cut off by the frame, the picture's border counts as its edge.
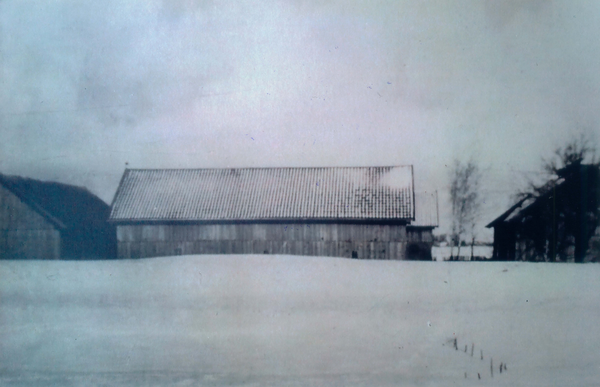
(378, 221)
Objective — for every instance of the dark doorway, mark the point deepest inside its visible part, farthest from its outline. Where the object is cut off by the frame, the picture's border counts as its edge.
(418, 252)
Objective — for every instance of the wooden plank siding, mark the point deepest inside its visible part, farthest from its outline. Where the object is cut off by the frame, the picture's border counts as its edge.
(333, 240)
(420, 234)
(24, 233)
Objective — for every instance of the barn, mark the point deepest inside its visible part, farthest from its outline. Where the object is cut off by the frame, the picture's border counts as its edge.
(560, 222)
(353, 212)
(48, 220)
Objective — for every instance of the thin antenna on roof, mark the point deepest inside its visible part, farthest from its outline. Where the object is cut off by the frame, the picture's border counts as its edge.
(437, 208)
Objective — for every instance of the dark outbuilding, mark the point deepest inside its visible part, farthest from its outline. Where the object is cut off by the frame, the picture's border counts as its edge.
(561, 222)
(48, 220)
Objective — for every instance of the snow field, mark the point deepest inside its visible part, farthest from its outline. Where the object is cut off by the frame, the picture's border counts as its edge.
(288, 320)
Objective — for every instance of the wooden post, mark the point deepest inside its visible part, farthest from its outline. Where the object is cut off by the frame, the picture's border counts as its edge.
(455, 345)
(466, 348)
(472, 349)
(492, 366)
(481, 354)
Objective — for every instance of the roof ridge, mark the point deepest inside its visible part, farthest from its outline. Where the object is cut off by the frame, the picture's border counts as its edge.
(229, 168)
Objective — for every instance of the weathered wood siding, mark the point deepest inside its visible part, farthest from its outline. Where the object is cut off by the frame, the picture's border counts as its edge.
(25, 234)
(333, 240)
(420, 235)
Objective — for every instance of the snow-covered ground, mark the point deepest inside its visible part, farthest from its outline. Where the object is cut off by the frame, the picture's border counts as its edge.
(297, 321)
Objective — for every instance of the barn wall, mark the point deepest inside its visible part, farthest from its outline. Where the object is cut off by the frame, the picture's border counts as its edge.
(420, 234)
(334, 240)
(25, 234)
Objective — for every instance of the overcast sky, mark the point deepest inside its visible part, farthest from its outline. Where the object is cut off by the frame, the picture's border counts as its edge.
(86, 87)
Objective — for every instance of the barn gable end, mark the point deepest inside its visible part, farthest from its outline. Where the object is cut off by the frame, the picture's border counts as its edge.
(24, 233)
(49, 220)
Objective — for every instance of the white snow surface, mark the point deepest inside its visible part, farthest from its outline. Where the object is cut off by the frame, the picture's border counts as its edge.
(244, 320)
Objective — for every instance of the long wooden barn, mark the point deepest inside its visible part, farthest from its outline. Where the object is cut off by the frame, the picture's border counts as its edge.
(49, 220)
(354, 212)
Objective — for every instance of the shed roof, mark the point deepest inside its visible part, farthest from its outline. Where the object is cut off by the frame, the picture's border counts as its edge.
(426, 210)
(63, 205)
(525, 204)
(358, 193)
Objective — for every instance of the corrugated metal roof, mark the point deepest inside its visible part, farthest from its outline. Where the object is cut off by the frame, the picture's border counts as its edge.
(264, 194)
(426, 209)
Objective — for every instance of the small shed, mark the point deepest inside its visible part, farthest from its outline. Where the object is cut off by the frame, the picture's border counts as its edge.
(354, 212)
(49, 220)
(420, 231)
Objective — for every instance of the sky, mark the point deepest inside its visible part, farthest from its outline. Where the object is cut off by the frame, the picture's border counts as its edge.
(90, 88)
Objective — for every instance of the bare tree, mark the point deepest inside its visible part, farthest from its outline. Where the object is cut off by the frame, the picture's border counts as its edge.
(465, 180)
(563, 159)
(574, 153)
